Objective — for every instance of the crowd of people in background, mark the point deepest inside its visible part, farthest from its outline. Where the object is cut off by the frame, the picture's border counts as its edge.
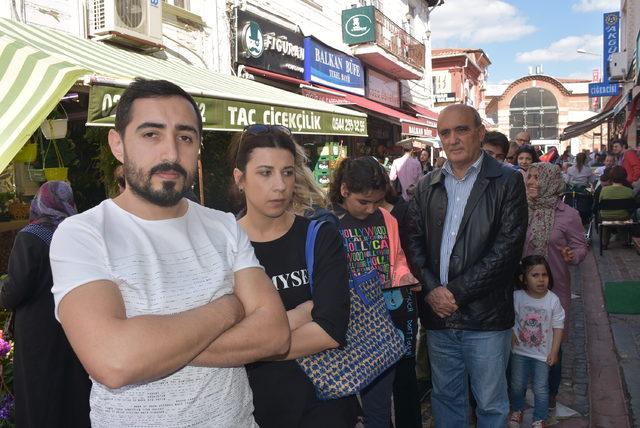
(153, 310)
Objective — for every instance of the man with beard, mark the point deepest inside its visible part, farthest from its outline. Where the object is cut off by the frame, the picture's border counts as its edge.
(163, 300)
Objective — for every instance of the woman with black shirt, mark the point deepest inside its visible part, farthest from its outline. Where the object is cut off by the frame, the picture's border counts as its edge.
(50, 385)
(266, 176)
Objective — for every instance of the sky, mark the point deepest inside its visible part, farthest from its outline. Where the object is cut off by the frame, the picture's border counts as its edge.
(517, 34)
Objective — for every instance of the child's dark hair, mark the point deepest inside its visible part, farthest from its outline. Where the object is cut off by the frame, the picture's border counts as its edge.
(526, 264)
(360, 175)
(527, 149)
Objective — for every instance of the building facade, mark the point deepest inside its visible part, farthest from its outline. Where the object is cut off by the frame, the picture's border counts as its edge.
(543, 106)
(459, 77)
(626, 124)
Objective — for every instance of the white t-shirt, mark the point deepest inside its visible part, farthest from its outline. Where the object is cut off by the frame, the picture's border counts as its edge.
(535, 321)
(161, 267)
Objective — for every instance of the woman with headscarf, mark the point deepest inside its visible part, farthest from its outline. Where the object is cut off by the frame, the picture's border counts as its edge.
(555, 232)
(50, 385)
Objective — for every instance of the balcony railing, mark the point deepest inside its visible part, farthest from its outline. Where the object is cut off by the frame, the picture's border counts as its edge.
(393, 39)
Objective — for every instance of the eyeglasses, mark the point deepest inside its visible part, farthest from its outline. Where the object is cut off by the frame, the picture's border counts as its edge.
(259, 129)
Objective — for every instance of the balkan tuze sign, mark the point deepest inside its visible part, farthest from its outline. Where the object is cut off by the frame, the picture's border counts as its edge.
(332, 68)
(266, 45)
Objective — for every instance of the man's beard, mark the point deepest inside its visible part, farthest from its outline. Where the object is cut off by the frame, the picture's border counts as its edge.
(140, 183)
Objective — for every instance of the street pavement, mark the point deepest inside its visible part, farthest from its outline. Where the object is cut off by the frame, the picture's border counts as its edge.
(620, 263)
(601, 359)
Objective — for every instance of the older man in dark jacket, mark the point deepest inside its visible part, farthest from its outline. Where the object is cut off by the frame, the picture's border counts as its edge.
(469, 221)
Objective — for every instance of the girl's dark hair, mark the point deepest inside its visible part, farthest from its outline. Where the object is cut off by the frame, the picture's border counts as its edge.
(527, 149)
(306, 194)
(581, 159)
(244, 143)
(618, 174)
(360, 175)
(526, 264)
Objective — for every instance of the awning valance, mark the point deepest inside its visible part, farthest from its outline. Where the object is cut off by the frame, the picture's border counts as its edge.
(586, 125)
(39, 65)
(411, 125)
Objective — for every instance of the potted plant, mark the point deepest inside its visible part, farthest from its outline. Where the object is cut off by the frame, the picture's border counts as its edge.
(55, 125)
(54, 173)
(28, 153)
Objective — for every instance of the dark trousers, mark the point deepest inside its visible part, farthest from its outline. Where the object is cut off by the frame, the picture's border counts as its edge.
(555, 375)
(406, 402)
(376, 401)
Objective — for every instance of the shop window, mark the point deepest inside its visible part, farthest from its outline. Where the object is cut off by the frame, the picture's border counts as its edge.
(534, 110)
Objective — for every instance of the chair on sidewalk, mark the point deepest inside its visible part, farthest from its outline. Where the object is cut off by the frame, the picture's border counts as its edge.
(581, 199)
(611, 205)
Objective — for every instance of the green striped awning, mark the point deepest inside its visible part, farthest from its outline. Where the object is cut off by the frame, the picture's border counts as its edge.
(31, 85)
(39, 65)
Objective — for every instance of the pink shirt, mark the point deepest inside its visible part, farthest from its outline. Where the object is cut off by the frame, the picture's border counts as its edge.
(408, 170)
(567, 232)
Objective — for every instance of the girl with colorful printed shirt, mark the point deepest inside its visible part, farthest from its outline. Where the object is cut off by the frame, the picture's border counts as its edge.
(371, 238)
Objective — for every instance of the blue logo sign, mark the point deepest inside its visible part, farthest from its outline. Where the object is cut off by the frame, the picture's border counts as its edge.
(611, 34)
(332, 68)
(603, 89)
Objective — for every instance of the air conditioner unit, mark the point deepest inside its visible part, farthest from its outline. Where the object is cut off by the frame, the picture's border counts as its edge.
(618, 66)
(135, 23)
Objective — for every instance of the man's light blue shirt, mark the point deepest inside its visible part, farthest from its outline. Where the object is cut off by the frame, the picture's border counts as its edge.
(458, 192)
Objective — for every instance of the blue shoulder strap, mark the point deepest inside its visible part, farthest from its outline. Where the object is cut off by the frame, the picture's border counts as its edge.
(309, 248)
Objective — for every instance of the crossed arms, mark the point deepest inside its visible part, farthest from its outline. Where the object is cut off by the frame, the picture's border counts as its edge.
(245, 326)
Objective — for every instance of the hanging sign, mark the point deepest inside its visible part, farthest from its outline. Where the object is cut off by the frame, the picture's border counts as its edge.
(611, 35)
(332, 68)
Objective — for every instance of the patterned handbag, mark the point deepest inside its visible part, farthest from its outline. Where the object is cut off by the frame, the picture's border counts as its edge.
(373, 343)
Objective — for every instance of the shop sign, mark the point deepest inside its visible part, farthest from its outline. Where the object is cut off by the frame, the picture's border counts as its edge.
(266, 45)
(358, 25)
(332, 68)
(449, 97)
(383, 89)
(325, 97)
(231, 115)
(417, 130)
(611, 35)
(603, 89)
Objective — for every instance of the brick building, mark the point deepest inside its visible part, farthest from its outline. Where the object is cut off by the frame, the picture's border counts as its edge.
(543, 106)
(459, 77)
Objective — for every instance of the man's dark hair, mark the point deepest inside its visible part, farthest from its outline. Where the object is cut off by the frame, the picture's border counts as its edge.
(498, 139)
(606, 174)
(143, 88)
(620, 141)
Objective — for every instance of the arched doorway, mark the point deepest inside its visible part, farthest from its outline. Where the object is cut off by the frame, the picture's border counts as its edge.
(534, 110)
